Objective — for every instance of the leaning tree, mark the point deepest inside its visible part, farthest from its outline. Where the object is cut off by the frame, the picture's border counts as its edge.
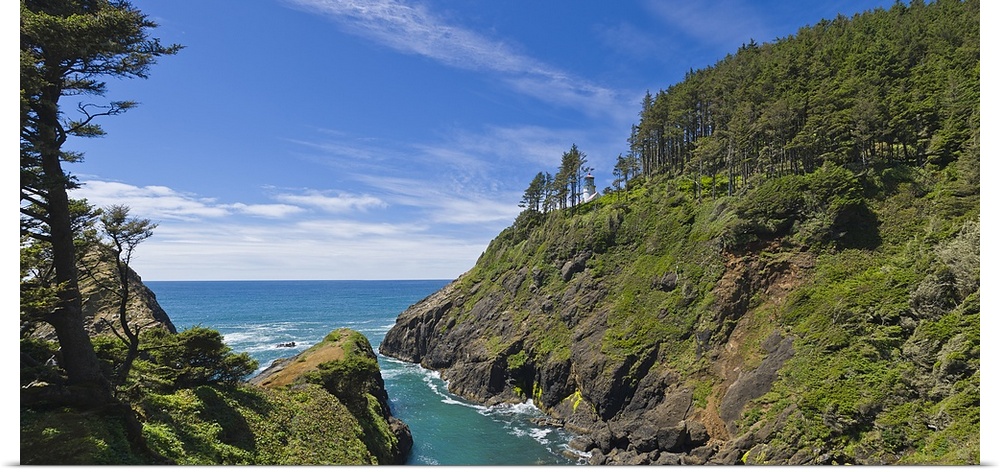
(68, 49)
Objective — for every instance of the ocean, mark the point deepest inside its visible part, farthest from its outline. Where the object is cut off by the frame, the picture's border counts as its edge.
(257, 316)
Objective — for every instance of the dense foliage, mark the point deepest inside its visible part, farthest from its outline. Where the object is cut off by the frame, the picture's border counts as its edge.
(189, 392)
(882, 87)
(823, 187)
(874, 275)
(355, 380)
(68, 48)
(142, 396)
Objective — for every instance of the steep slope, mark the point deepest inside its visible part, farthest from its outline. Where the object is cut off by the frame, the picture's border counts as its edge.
(792, 278)
(326, 406)
(667, 330)
(100, 309)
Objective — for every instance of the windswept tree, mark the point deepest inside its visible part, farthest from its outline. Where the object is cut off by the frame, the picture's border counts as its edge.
(560, 188)
(68, 47)
(122, 234)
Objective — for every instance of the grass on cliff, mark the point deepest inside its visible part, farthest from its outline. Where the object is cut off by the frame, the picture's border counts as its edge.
(245, 425)
(887, 364)
(201, 415)
(885, 318)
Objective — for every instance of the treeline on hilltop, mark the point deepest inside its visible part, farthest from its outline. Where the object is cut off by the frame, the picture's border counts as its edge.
(882, 87)
(885, 86)
(787, 270)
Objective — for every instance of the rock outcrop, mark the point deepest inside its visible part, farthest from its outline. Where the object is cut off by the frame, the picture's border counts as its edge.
(100, 309)
(626, 409)
(345, 364)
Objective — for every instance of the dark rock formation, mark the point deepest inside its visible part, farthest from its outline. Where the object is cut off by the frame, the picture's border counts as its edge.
(626, 409)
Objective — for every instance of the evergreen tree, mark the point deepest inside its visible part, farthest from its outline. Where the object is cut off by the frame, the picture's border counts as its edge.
(571, 172)
(123, 234)
(534, 195)
(882, 87)
(67, 47)
(625, 168)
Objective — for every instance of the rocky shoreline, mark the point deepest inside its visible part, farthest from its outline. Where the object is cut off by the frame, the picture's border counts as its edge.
(627, 410)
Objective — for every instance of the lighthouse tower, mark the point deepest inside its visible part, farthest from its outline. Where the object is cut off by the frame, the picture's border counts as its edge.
(589, 190)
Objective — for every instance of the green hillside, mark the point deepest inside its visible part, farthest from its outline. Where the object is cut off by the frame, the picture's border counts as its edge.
(799, 288)
(192, 407)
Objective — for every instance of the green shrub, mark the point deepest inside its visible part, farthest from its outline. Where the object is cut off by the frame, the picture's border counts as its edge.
(345, 378)
(195, 356)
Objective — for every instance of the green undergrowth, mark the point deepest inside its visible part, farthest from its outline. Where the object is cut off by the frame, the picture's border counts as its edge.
(884, 314)
(196, 410)
(247, 425)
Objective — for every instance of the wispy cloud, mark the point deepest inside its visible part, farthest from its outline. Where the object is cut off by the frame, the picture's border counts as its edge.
(464, 176)
(158, 202)
(481, 152)
(414, 29)
(231, 240)
(316, 249)
(266, 211)
(338, 203)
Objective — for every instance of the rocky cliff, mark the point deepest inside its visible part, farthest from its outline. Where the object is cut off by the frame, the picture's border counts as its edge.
(344, 364)
(100, 308)
(667, 330)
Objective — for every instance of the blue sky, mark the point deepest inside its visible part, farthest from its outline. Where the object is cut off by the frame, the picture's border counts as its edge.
(385, 139)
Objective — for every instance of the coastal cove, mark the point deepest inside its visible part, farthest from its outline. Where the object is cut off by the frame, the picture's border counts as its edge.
(264, 318)
(726, 251)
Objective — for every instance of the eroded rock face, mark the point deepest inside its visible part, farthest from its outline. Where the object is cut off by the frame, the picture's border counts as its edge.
(100, 309)
(626, 409)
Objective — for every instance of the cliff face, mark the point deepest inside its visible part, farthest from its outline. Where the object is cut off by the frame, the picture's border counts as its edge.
(100, 308)
(664, 331)
(345, 365)
(627, 409)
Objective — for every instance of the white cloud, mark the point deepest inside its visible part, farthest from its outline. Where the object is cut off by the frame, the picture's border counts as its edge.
(153, 202)
(468, 177)
(321, 249)
(415, 30)
(534, 145)
(593, 100)
(443, 207)
(476, 211)
(344, 229)
(340, 203)
(440, 236)
(266, 211)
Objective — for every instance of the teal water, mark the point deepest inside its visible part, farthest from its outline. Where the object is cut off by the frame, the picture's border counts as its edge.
(256, 316)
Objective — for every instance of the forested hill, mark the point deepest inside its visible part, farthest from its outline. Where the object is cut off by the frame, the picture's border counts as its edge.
(787, 271)
(887, 86)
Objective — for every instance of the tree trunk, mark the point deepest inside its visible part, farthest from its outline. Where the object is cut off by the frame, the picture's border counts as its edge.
(79, 359)
(133, 336)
